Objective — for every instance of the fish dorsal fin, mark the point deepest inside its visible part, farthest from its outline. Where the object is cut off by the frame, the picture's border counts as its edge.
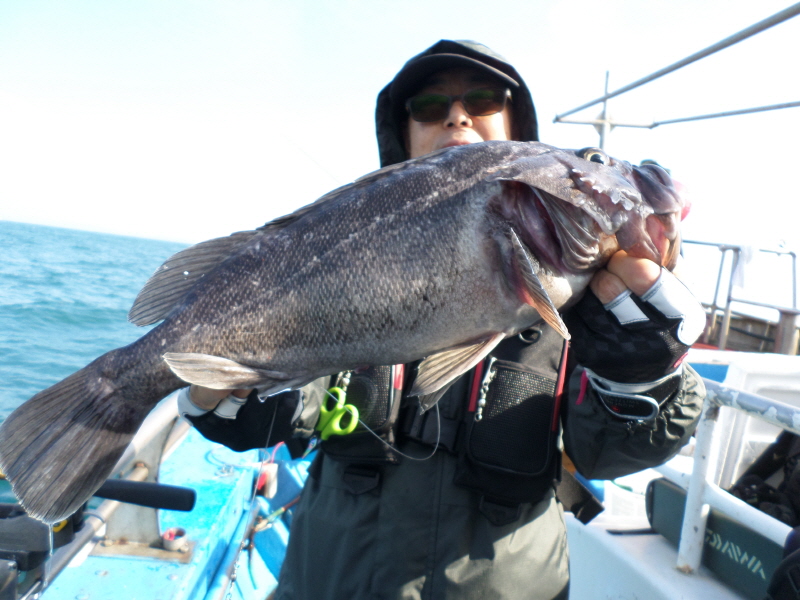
(440, 369)
(220, 373)
(536, 295)
(172, 280)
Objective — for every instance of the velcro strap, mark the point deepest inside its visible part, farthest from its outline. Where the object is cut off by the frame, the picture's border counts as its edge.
(625, 309)
(361, 479)
(576, 498)
(499, 513)
(229, 406)
(674, 300)
(431, 429)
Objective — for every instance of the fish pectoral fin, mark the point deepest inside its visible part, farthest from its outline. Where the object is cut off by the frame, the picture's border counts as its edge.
(534, 292)
(436, 372)
(220, 373)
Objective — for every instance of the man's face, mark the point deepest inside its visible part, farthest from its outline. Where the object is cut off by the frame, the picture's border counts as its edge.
(459, 127)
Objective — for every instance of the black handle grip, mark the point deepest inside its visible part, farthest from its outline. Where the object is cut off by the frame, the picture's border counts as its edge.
(143, 493)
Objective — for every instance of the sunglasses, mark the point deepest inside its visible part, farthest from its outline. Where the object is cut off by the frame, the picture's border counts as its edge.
(480, 102)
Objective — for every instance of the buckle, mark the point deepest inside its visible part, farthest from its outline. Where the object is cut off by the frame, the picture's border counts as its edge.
(431, 429)
(626, 405)
(631, 407)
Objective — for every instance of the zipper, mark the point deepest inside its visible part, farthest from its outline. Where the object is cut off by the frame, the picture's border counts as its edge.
(484, 389)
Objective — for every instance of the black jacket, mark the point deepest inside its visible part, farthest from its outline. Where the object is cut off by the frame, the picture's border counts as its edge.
(442, 524)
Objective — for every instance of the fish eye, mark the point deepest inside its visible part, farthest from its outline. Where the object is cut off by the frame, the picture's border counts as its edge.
(595, 155)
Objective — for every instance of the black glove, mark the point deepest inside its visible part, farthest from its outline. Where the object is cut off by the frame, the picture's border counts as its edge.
(636, 340)
(242, 424)
(632, 347)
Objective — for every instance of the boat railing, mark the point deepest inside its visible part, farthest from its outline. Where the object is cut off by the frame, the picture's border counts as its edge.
(604, 123)
(786, 334)
(158, 423)
(702, 493)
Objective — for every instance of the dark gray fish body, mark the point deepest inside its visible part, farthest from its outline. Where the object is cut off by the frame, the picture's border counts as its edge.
(380, 275)
(440, 257)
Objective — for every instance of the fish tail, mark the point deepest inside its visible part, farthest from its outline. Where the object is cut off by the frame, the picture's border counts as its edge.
(57, 448)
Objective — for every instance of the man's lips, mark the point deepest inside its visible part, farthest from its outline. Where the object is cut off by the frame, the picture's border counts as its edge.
(452, 143)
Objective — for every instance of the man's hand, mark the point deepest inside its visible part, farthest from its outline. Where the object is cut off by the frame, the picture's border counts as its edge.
(637, 323)
(623, 273)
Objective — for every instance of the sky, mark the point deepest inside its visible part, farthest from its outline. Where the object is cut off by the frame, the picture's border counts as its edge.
(186, 120)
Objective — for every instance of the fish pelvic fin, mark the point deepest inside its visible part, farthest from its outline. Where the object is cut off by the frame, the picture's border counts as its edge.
(220, 373)
(428, 401)
(172, 281)
(437, 372)
(59, 447)
(533, 291)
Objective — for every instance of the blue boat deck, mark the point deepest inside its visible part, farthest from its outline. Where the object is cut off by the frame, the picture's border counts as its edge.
(226, 517)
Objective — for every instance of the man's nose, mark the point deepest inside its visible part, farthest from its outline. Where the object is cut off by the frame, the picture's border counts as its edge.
(458, 116)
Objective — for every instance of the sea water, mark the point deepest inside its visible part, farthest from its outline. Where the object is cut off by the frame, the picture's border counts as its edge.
(64, 300)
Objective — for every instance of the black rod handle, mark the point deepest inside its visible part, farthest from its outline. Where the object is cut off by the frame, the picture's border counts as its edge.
(143, 493)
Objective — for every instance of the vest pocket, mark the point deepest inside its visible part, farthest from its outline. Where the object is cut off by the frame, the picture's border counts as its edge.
(510, 452)
(515, 429)
(376, 393)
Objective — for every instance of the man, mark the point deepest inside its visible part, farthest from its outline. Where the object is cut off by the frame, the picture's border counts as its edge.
(445, 504)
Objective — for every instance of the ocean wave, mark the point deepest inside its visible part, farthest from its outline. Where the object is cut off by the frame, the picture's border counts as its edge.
(64, 299)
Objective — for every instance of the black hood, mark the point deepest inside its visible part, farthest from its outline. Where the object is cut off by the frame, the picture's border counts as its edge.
(390, 113)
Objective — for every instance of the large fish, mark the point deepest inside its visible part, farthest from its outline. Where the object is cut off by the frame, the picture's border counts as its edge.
(438, 258)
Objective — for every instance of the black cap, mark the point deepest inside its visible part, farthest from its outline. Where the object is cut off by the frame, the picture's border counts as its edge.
(414, 73)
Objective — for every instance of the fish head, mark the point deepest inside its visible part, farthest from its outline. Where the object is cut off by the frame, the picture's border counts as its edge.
(576, 208)
(670, 204)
